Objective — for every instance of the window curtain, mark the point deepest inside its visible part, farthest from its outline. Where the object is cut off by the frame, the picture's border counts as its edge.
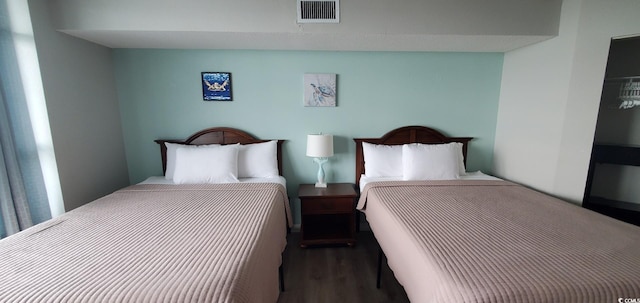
(23, 197)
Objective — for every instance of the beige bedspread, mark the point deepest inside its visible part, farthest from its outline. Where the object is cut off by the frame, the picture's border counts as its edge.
(154, 243)
(494, 241)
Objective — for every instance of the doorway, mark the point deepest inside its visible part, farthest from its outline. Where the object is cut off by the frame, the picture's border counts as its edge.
(614, 173)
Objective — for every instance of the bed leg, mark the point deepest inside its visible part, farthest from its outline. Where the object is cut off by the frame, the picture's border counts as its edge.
(281, 276)
(379, 267)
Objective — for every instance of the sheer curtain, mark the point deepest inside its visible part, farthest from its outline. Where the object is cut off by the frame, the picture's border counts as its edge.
(23, 195)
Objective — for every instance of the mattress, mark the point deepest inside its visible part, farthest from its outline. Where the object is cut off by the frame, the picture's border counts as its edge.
(154, 243)
(495, 241)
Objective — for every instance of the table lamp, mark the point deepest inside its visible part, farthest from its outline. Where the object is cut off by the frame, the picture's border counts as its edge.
(320, 147)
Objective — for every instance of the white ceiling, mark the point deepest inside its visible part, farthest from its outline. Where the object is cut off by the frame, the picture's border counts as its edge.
(365, 25)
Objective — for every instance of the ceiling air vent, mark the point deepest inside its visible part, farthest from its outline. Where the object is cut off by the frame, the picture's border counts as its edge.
(318, 11)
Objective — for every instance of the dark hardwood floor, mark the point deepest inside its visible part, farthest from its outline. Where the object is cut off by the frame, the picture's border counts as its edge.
(337, 274)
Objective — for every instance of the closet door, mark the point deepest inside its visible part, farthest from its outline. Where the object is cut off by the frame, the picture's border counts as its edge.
(614, 175)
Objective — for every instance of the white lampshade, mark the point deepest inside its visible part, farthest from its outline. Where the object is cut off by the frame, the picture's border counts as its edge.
(320, 146)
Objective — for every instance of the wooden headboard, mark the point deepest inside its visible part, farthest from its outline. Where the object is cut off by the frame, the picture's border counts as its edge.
(217, 135)
(404, 135)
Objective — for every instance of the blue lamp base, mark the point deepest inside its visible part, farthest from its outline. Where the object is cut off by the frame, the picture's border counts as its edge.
(321, 182)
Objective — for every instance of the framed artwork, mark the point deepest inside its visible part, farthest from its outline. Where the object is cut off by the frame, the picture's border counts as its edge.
(216, 86)
(320, 90)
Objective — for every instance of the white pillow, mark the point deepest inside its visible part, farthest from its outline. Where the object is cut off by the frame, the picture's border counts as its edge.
(458, 149)
(463, 169)
(171, 157)
(258, 160)
(382, 160)
(206, 164)
(430, 162)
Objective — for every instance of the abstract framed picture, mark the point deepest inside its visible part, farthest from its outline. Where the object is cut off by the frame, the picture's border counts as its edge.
(216, 86)
(320, 90)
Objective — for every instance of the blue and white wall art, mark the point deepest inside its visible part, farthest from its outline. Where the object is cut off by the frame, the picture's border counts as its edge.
(320, 90)
(216, 86)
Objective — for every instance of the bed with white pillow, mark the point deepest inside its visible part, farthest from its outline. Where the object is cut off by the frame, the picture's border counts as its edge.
(212, 230)
(454, 236)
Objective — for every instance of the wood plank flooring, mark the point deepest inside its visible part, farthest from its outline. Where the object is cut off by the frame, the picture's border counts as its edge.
(337, 274)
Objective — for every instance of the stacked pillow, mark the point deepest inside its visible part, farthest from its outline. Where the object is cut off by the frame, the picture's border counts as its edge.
(414, 161)
(217, 163)
(382, 160)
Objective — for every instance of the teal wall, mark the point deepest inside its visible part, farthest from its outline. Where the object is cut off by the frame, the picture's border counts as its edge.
(160, 97)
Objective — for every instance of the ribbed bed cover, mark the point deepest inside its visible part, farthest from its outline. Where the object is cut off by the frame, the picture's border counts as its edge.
(154, 243)
(495, 241)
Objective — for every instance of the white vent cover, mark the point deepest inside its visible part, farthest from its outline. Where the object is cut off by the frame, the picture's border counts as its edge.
(318, 11)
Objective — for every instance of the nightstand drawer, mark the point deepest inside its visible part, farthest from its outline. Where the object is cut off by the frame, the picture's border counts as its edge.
(335, 205)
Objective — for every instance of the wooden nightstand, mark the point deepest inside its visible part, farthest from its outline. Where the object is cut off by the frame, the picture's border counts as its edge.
(328, 214)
